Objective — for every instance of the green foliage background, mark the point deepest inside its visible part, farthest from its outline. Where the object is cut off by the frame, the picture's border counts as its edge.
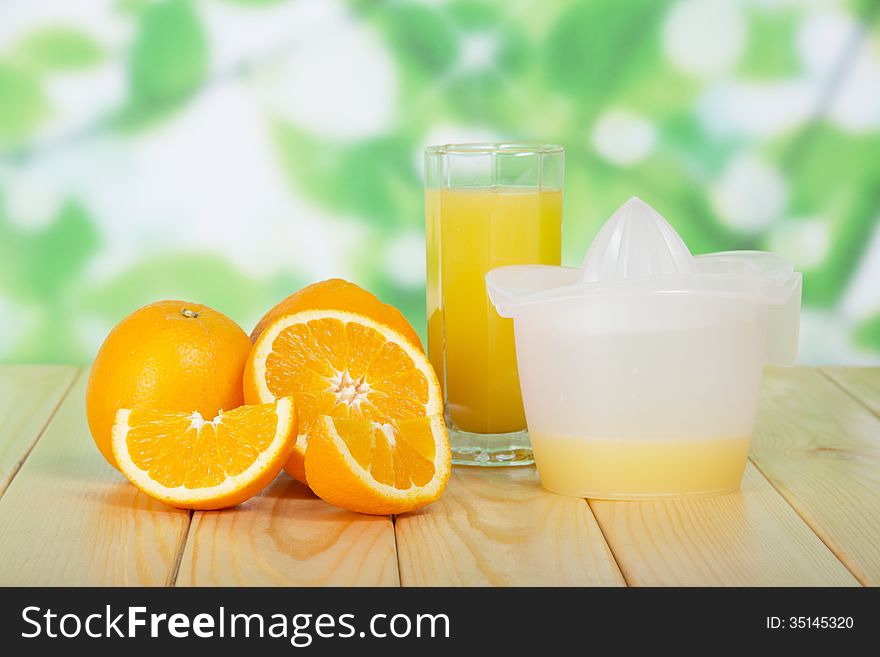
(231, 151)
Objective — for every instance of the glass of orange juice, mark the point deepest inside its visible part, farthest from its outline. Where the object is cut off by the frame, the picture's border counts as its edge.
(486, 206)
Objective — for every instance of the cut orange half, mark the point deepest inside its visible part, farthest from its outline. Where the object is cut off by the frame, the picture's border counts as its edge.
(340, 364)
(378, 467)
(183, 460)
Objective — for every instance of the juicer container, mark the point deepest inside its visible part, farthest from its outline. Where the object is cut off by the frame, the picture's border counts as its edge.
(640, 371)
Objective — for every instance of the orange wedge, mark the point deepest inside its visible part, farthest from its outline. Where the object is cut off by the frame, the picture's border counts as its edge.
(341, 364)
(378, 467)
(183, 460)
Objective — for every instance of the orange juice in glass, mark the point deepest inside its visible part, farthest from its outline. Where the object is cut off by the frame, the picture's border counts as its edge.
(486, 206)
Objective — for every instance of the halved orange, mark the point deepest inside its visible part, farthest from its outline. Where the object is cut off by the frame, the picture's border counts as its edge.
(186, 461)
(342, 364)
(338, 294)
(378, 467)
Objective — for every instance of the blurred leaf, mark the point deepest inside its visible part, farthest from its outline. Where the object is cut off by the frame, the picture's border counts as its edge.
(59, 48)
(204, 278)
(132, 7)
(814, 158)
(474, 15)
(597, 48)
(835, 176)
(683, 137)
(489, 91)
(661, 93)
(867, 10)
(42, 268)
(422, 37)
(375, 179)
(481, 97)
(867, 333)
(255, 3)
(51, 339)
(23, 104)
(168, 59)
(12, 256)
(772, 45)
(62, 251)
(43, 264)
(441, 52)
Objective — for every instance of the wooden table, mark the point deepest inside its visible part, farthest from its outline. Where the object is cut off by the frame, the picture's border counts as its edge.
(808, 512)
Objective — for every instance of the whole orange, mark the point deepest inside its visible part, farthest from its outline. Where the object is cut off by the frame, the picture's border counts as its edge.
(339, 294)
(168, 356)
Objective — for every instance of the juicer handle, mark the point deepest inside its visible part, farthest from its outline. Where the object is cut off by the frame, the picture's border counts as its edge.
(783, 327)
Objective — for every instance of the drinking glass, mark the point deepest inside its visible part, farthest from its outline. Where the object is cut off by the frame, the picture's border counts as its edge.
(486, 206)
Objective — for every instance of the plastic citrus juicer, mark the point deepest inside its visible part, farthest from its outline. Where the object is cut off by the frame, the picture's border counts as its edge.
(640, 370)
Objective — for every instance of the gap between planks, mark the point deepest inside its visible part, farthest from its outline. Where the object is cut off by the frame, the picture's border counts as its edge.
(73, 374)
(751, 537)
(819, 535)
(820, 449)
(175, 569)
(70, 519)
(839, 383)
(396, 551)
(630, 579)
(860, 383)
(499, 527)
(286, 536)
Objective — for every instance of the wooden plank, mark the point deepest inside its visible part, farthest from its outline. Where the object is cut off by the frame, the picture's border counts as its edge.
(288, 537)
(68, 518)
(498, 527)
(748, 538)
(820, 448)
(863, 383)
(29, 396)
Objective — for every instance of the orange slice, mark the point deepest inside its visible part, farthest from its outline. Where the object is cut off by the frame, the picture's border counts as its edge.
(186, 461)
(341, 364)
(378, 467)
